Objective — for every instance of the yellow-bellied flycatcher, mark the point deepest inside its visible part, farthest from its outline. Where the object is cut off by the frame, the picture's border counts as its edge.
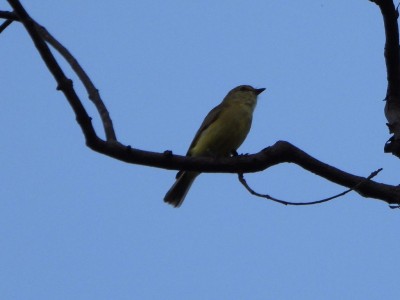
(223, 130)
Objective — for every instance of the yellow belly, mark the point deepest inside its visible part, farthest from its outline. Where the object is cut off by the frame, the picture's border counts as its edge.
(226, 133)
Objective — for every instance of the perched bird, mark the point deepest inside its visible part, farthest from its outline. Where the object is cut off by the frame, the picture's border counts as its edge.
(223, 130)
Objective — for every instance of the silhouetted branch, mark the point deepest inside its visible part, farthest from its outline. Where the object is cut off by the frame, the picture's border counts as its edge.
(5, 24)
(284, 202)
(280, 152)
(64, 84)
(8, 15)
(92, 91)
(392, 58)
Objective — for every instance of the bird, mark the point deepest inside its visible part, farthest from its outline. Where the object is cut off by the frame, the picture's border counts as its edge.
(222, 132)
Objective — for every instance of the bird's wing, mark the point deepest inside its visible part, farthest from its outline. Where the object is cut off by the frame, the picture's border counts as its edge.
(210, 118)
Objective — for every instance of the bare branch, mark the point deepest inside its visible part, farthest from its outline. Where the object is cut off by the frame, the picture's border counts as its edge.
(392, 58)
(8, 15)
(266, 196)
(64, 83)
(92, 91)
(5, 24)
(281, 152)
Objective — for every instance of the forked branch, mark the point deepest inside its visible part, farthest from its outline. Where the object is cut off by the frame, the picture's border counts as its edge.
(280, 152)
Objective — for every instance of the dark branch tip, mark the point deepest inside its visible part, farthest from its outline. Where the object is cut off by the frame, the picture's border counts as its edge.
(394, 206)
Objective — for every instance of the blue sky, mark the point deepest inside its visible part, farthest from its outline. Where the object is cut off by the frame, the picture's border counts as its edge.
(78, 225)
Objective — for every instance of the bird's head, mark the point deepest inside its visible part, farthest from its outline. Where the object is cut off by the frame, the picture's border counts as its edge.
(244, 94)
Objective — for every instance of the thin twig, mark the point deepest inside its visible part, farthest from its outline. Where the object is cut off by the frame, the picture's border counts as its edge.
(248, 188)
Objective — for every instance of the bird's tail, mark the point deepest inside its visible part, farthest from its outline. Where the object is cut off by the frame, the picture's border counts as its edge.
(178, 191)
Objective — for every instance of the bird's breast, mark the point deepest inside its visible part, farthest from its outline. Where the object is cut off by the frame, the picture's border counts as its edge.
(226, 133)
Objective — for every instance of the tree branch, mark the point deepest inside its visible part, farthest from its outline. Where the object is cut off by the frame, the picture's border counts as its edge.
(5, 24)
(92, 91)
(8, 15)
(284, 202)
(392, 58)
(64, 84)
(280, 152)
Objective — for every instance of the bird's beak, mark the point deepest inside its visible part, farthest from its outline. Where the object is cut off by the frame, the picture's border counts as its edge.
(259, 91)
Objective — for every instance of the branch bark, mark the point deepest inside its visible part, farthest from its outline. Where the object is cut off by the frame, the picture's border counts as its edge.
(280, 152)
